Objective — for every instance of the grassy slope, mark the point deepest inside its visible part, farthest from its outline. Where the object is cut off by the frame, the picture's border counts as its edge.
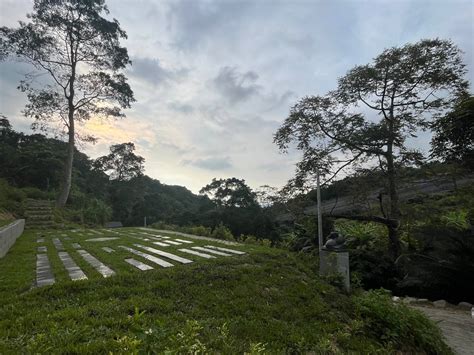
(268, 299)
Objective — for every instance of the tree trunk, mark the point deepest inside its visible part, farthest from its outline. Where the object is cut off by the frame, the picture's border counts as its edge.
(394, 213)
(67, 177)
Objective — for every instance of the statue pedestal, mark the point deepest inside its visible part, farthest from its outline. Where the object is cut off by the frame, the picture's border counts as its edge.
(333, 262)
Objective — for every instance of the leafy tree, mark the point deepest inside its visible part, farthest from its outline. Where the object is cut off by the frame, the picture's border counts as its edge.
(231, 192)
(122, 163)
(400, 92)
(79, 51)
(453, 140)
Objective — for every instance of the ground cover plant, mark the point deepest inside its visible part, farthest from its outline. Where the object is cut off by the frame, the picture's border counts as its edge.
(265, 301)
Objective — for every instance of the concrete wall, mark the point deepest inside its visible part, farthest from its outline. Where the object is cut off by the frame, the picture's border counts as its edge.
(9, 234)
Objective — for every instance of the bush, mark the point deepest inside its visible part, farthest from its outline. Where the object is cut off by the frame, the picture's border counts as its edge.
(198, 230)
(398, 326)
(35, 193)
(222, 232)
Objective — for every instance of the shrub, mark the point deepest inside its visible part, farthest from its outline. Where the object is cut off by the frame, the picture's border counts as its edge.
(457, 220)
(35, 193)
(222, 232)
(398, 326)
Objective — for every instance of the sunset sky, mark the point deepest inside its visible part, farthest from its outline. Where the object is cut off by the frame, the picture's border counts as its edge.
(215, 79)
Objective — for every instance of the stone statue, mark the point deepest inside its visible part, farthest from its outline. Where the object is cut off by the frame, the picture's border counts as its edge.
(335, 241)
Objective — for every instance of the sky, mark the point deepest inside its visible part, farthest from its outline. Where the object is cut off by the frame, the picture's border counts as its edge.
(214, 79)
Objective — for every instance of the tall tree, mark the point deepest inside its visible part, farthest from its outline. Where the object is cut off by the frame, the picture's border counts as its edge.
(122, 164)
(400, 92)
(79, 51)
(231, 192)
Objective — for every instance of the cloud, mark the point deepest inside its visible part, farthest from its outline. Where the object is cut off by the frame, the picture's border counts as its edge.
(181, 107)
(152, 71)
(213, 164)
(236, 86)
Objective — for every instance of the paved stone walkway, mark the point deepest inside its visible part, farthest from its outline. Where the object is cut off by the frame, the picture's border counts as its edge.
(457, 327)
(147, 247)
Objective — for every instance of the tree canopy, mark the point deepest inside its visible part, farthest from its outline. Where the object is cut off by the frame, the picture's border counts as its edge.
(231, 192)
(122, 163)
(453, 140)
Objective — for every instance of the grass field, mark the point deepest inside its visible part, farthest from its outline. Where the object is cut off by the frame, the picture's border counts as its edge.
(266, 301)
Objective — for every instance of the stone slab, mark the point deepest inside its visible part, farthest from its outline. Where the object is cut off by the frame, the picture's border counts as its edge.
(40, 240)
(74, 271)
(173, 242)
(184, 241)
(149, 257)
(197, 253)
(42, 249)
(211, 251)
(44, 275)
(103, 269)
(58, 244)
(161, 244)
(101, 239)
(108, 250)
(238, 252)
(76, 246)
(165, 254)
(139, 265)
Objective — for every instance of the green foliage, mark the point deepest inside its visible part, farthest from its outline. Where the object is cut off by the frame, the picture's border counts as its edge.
(457, 219)
(35, 193)
(453, 139)
(222, 232)
(11, 199)
(122, 163)
(397, 325)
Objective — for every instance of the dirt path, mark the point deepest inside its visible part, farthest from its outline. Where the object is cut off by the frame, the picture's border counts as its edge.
(457, 327)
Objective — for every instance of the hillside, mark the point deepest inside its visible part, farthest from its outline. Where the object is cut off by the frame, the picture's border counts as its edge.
(266, 301)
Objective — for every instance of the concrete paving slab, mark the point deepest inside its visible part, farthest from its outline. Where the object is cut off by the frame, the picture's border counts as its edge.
(226, 249)
(165, 254)
(44, 274)
(194, 252)
(58, 244)
(74, 271)
(108, 250)
(42, 249)
(103, 269)
(211, 251)
(149, 257)
(101, 239)
(161, 244)
(76, 245)
(139, 265)
(184, 241)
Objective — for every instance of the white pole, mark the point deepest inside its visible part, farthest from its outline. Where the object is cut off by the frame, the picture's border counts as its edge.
(144, 221)
(320, 217)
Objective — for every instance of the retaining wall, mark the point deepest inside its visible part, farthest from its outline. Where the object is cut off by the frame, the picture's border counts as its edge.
(9, 234)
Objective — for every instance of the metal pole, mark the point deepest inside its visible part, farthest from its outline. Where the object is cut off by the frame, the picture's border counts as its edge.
(144, 221)
(320, 217)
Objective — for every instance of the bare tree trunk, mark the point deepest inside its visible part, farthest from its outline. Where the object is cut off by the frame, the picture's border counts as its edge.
(394, 213)
(67, 177)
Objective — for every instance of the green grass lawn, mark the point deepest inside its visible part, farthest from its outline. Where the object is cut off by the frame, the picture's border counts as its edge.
(266, 301)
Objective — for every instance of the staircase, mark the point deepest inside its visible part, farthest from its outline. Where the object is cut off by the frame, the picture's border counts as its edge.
(39, 214)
